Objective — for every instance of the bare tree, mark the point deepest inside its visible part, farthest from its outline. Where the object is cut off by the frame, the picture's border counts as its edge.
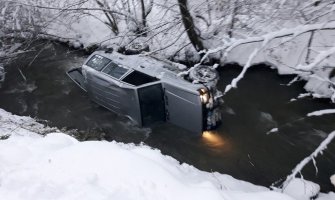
(109, 15)
(234, 9)
(145, 12)
(189, 26)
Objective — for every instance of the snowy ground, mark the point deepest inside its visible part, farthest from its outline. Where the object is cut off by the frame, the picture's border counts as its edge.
(57, 166)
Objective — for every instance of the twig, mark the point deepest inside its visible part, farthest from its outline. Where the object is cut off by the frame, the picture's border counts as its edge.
(305, 161)
(32, 61)
(23, 76)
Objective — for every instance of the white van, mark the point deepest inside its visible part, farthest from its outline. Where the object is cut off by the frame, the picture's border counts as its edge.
(148, 90)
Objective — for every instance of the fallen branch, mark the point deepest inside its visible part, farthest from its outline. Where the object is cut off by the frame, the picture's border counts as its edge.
(318, 59)
(311, 157)
(278, 34)
(234, 82)
(39, 52)
(23, 76)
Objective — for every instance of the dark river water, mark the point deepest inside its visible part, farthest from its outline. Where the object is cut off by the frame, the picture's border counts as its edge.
(239, 147)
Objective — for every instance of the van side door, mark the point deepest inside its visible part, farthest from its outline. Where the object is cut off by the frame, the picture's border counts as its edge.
(151, 100)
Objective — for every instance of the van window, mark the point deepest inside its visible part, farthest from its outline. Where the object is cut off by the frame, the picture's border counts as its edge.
(114, 70)
(98, 62)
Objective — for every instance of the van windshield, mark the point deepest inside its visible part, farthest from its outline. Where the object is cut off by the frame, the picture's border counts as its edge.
(98, 62)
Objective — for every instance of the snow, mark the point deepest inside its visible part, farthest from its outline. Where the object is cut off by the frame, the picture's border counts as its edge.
(282, 43)
(329, 196)
(332, 179)
(283, 40)
(286, 51)
(86, 31)
(295, 79)
(57, 166)
(320, 84)
(274, 130)
(303, 95)
(317, 60)
(287, 56)
(321, 112)
(301, 189)
(267, 38)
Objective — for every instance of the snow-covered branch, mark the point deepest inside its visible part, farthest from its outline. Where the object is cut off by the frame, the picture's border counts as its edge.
(318, 59)
(228, 47)
(321, 112)
(234, 82)
(311, 157)
(74, 9)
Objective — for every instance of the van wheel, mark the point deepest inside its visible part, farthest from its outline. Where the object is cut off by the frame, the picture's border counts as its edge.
(203, 74)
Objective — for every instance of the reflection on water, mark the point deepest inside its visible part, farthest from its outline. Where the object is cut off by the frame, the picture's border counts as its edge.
(216, 142)
(213, 139)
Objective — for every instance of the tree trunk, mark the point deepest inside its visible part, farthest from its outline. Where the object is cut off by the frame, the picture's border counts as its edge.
(189, 26)
(144, 21)
(233, 14)
(110, 16)
(309, 44)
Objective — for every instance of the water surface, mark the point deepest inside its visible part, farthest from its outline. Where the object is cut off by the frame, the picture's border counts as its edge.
(240, 147)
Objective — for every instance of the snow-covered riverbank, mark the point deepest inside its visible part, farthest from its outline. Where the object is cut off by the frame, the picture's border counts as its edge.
(292, 45)
(57, 166)
(288, 55)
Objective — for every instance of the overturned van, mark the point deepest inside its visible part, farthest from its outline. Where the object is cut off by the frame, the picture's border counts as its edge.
(148, 90)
